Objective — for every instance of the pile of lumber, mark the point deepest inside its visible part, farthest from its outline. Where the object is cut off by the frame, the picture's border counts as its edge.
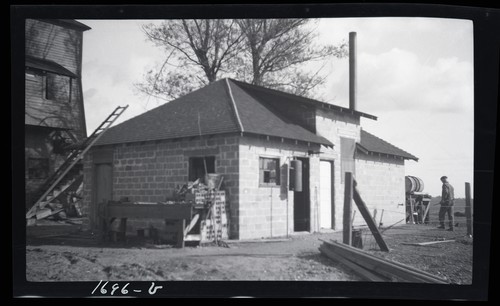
(373, 268)
(64, 203)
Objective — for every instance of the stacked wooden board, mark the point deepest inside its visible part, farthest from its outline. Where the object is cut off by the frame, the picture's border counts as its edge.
(373, 268)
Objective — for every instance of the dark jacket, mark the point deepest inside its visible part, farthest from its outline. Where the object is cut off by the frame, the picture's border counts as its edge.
(447, 195)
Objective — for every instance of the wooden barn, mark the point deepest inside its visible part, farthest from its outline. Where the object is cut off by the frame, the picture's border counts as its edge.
(54, 109)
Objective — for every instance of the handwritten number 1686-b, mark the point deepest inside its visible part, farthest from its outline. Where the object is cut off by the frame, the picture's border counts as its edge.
(152, 290)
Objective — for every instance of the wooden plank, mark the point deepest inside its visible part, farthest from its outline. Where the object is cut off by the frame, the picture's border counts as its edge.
(348, 190)
(192, 237)
(369, 265)
(410, 268)
(359, 270)
(468, 211)
(412, 221)
(59, 193)
(42, 213)
(180, 233)
(368, 219)
(153, 211)
(383, 266)
(426, 212)
(191, 224)
(427, 243)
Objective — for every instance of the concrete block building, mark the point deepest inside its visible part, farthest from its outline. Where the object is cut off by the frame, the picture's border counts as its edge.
(250, 135)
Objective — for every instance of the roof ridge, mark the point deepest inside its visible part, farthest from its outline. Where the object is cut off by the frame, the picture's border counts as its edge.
(303, 98)
(235, 109)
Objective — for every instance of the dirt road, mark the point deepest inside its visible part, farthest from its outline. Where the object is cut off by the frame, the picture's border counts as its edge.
(78, 258)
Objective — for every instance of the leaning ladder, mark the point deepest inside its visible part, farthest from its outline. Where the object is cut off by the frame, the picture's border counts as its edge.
(72, 159)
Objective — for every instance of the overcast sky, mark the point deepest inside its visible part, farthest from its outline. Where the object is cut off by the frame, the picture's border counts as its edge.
(414, 74)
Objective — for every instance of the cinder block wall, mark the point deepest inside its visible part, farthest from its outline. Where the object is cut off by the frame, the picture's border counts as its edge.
(381, 184)
(332, 125)
(147, 171)
(262, 209)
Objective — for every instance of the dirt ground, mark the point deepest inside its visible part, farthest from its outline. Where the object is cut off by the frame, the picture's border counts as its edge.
(78, 256)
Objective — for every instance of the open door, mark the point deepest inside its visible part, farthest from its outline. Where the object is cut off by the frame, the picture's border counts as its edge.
(327, 207)
(301, 201)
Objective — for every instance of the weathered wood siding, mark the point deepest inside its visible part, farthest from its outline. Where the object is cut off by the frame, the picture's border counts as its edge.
(56, 43)
(63, 46)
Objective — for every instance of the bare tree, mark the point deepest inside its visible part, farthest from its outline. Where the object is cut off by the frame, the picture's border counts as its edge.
(195, 47)
(266, 52)
(279, 48)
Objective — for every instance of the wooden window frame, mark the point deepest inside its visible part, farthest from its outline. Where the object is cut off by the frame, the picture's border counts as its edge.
(46, 88)
(262, 172)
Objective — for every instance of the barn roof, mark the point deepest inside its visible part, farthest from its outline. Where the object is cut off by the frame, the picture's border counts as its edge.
(371, 143)
(222, 107)
(69, 23)
(47, 66)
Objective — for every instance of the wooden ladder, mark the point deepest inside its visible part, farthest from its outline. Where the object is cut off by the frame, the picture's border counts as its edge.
(73, 158)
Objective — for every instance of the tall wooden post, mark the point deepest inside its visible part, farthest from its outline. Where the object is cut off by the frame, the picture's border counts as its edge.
(468, 213)
(363, 209)
(347, 229)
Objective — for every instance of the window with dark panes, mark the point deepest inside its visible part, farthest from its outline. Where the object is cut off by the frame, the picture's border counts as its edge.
(38, 168)
(197, 167)
(347, 146)
(269, 171)
(57, 87)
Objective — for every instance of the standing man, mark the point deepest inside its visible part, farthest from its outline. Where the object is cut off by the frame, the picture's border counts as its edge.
(447, 198)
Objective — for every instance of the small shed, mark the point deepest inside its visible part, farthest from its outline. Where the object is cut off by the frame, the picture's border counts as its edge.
(250, 135)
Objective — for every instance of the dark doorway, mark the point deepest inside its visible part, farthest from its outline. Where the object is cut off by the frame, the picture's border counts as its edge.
(301, 201)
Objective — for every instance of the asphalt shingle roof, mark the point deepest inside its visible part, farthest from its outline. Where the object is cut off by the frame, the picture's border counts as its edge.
(223, 107)
(281, 95)
(259, 118)
(372, 143)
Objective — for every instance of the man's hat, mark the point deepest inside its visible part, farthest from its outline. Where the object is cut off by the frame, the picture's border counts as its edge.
(444, 177)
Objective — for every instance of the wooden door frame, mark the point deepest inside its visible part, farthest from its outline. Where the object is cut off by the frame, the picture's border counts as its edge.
(332, 189)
